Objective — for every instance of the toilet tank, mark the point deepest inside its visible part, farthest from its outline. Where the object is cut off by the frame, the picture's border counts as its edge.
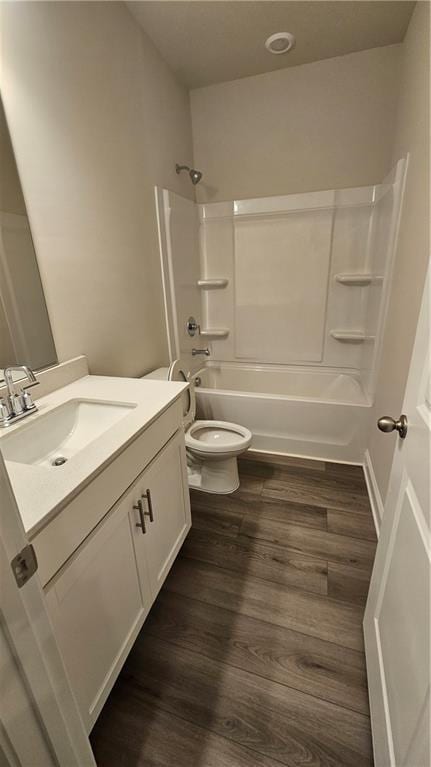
(160, 374)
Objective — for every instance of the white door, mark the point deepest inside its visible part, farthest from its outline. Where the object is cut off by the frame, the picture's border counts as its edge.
(397, 616)
(40, 723)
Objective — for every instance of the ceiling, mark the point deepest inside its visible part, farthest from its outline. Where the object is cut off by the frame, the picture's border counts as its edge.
(212, 41)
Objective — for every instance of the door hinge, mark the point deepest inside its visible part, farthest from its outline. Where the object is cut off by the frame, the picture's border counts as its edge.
(24, 565)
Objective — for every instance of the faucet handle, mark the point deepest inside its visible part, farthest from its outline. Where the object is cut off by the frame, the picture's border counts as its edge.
(5, 410)
(26, 400)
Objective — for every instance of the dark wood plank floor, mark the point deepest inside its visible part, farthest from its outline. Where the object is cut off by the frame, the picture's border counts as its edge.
(252, 655)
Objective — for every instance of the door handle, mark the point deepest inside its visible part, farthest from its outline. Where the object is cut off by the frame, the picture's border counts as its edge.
(388, 424)
(140, 509)
(147, 496)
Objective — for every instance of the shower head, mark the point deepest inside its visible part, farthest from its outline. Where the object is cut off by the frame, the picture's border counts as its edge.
(195, 175)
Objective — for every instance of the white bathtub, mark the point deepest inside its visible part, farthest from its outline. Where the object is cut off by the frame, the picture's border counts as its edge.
(310, 413)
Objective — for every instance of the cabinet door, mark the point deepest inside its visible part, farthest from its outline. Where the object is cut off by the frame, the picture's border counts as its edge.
(97, 608)
(164, 494)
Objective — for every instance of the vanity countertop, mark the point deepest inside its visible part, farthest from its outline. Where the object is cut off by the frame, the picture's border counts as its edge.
(42, 491)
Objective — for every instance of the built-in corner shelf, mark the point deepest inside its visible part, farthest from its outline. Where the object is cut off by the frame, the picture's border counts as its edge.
(358, 279)
(214, 332)
(349, 336)
(354, 279)
(210, 284)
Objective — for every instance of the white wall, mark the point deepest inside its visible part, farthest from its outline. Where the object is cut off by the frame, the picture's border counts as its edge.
(323, 125)
(412, 135)
(96, 119)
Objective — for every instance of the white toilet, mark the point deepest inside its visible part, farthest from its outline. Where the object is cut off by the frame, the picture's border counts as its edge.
(212, 446)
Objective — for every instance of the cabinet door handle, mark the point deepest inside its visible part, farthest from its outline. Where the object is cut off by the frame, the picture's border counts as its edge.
(147, 495)
(140, 509)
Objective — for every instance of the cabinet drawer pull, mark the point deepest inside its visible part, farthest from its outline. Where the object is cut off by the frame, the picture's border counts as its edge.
(147, 495)
(140, 509)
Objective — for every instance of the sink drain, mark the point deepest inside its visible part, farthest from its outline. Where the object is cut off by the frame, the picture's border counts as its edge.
(59, 461)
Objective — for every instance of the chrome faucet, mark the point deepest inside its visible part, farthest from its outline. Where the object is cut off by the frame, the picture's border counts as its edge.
(17, 405)
(195, 352)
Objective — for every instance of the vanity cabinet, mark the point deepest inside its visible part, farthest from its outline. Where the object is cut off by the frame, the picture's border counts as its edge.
(97, 606)
(100, 597)
(161, 513)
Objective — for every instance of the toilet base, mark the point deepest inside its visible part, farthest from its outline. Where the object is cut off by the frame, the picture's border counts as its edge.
(213, 476)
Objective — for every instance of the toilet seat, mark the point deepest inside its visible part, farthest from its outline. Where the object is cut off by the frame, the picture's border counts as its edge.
(178, 372)
(213, 437)
(207, 437)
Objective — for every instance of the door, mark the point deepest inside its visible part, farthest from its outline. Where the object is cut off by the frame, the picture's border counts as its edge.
(39, 717)
(397, 616)
(21, 738)
(161, 515)
(97, 609)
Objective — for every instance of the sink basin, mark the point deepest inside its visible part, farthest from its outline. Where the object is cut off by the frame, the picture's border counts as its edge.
(51, 439)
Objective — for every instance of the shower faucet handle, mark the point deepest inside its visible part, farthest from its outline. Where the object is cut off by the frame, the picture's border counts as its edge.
(192, 326)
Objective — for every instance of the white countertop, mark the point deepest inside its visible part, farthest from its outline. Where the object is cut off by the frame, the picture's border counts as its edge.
(42, 491)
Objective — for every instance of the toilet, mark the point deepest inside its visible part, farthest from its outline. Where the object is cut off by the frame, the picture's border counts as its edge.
(212, 446)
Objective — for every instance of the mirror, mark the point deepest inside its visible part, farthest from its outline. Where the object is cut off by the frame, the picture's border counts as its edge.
(25, 331)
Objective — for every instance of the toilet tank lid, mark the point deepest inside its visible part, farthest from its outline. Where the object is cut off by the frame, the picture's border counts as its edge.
(160, 374)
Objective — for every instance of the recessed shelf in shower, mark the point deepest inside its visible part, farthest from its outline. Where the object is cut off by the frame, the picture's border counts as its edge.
(214, 283)
(350, 336)
(357, 279)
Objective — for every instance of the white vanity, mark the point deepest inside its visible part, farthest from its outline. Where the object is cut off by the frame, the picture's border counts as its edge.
(106, 521)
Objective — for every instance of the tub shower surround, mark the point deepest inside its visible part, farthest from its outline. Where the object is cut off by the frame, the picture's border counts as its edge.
(290, 293)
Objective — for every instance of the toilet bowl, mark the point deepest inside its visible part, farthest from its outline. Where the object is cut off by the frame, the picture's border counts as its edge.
(212, 446)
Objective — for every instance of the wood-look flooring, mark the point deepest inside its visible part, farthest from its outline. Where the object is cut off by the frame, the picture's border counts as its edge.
(252, 655)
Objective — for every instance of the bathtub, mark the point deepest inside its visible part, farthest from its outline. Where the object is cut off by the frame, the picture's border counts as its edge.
(300, 412)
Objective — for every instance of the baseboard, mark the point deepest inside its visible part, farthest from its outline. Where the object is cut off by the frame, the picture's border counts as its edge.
(373, 492)
(275, 456)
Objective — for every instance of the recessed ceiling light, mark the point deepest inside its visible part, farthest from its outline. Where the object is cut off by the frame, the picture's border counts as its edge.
(280, 42)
